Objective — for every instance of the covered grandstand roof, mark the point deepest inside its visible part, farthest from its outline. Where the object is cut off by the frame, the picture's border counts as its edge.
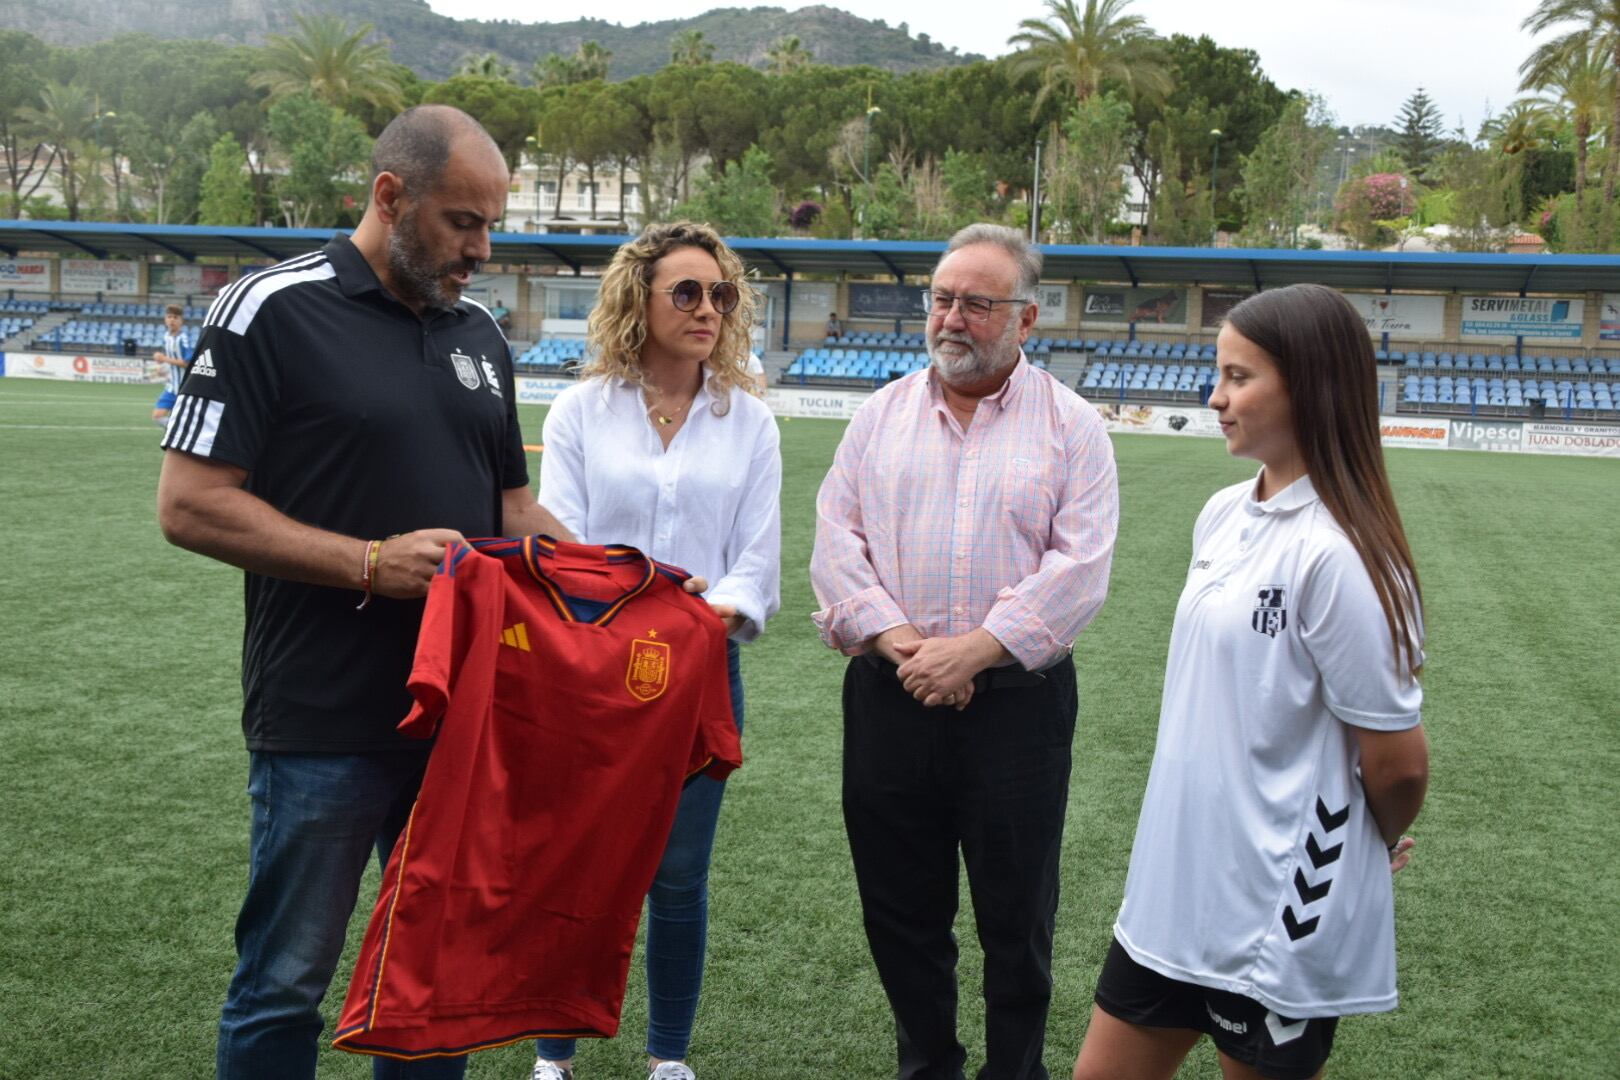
(567, 253)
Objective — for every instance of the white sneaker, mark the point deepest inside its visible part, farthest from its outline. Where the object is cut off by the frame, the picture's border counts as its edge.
(550, 1070)
(671, 1070)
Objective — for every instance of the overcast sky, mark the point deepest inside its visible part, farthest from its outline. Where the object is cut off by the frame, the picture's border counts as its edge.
(1364, 56)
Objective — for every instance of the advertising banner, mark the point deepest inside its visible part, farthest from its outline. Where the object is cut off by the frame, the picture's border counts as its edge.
(26, 275)
(813, 301)
(1403, 316)
(1522, 316)
(186, 279)
(1118, 306)
(66, 368)
(868, 300)
(1609, 321)
(1502, 436)
(1585, 440)
(1412, 431)
(1217, 302)
(814, 404)
(535, 391)
(1054, 305)
(101, 276)
(1159, 419)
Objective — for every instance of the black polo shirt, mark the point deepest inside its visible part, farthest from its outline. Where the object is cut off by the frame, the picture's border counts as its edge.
(352, 414)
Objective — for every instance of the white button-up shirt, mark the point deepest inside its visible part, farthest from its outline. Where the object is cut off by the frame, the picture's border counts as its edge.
(709, 504)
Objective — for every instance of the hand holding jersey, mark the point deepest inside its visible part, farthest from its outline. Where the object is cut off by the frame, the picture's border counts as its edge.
(406, 563)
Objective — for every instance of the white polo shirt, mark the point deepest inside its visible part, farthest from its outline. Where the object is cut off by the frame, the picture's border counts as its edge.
(1257, 867)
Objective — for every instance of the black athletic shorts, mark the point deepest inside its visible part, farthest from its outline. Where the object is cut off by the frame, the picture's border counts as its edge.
(1243, 1029)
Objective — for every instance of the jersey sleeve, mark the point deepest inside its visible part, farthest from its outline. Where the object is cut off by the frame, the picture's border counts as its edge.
(230, 396)
(447, 633)
(1342, 627)
(716, 749)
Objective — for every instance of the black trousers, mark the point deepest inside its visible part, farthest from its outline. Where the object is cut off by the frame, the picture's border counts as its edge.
(990, 782)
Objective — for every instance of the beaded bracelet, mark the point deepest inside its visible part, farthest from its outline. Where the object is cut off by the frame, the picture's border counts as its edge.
(368, 571)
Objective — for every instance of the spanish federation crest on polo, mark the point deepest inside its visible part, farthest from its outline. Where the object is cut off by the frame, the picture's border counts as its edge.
(466, 370)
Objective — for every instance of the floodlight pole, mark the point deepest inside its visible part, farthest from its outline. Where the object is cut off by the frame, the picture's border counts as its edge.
(1214, 170)
(1035, 199)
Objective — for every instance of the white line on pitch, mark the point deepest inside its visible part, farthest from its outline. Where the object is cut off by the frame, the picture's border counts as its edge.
(153, 428)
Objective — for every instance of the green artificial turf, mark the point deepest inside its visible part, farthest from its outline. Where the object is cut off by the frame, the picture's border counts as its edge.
(123, 816)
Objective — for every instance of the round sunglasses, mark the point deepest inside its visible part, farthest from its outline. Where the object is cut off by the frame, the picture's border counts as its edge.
(688, 294)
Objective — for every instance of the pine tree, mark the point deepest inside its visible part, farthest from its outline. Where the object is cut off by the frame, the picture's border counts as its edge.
(227, 192)
(1419, 130)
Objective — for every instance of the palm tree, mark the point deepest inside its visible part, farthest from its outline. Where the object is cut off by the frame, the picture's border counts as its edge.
(1523, 125)
(593, 60)
(590, 61)
(328, 60)
(1076, 52)
(485, 66)
(65, 121)
(1580, 84)
(1599, 35)
(688, 49)
(787, 54)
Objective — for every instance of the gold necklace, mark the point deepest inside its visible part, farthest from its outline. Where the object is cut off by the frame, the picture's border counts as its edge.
(670, 419)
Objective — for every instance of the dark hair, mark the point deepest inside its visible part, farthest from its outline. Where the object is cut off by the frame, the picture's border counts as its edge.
(175, 309)
(416, 145)
(1321, 347)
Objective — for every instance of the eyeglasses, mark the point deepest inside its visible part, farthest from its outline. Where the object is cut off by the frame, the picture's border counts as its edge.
(974, 308)
(688, 294)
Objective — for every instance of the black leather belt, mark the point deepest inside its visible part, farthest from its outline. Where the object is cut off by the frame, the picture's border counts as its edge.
(996, 678)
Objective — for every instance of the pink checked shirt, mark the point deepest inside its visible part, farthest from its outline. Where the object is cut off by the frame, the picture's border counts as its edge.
(1008, 525)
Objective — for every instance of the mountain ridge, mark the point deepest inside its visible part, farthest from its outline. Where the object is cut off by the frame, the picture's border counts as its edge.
(433, 45)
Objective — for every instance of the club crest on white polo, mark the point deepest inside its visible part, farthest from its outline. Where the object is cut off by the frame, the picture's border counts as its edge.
(1270, 611)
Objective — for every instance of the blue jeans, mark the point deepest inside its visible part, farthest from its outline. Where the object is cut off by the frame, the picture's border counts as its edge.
(316, 819)
(677, 912)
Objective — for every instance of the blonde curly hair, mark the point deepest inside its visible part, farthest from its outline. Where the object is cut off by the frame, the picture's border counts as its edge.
(617, 328)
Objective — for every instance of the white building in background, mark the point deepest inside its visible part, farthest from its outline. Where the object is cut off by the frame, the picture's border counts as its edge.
(535, 205)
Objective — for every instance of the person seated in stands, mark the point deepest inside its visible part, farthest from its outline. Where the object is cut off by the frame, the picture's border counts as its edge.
(835, 329)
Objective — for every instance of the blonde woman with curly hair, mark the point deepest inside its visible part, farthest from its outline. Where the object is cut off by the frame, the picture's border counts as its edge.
(662, 446)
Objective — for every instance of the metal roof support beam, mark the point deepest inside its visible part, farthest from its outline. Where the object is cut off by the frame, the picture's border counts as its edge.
(1130, 271)
(787, 304)
(189, 256)
(899, 274)
(10, 250)
(62, 238)
(260, 248)
(560, 257)
(1254, 272)
(1528, 278)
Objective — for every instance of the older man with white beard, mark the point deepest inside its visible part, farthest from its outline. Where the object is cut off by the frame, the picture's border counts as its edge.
(963, 541)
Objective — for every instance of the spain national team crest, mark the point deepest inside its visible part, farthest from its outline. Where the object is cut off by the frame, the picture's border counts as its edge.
(1270, 611)
(648, 676)
(466, 370)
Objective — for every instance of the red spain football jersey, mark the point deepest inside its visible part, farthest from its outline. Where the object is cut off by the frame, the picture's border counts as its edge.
(573, 690)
